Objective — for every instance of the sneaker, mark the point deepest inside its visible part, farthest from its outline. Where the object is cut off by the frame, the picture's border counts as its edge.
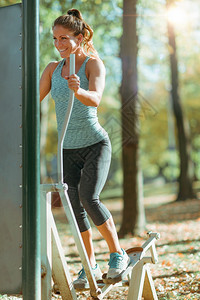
(82, 282)
(117, 264)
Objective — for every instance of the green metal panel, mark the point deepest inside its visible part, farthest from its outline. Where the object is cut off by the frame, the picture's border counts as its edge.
(10, 149)
(19, 164)
(31, 152)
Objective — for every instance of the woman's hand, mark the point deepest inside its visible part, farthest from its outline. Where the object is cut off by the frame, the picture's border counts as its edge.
(95, 73)
(73, 82)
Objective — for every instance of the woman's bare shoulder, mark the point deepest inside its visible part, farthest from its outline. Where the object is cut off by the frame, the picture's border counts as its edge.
(95, 61)
(50, 68)
(95, 64)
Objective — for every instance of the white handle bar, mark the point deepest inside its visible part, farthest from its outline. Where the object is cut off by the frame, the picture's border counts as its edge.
(65, 124)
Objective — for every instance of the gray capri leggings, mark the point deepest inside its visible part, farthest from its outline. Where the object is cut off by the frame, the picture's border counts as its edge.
(85, 172)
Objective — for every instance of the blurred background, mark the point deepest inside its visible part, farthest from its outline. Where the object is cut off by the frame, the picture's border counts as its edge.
(167, 35)
(157, 133)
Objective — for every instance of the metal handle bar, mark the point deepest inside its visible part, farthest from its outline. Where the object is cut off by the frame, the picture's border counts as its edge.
(65, 124)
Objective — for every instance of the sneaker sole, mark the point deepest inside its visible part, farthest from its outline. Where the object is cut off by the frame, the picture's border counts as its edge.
(84, 286)
(117, 278)
(114, 280)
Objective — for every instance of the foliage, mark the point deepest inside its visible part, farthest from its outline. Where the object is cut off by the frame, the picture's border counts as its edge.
(154, 82)
(105, 17)
(153, 69)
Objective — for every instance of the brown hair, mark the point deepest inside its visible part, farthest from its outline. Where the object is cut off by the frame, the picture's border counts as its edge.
(74, 21)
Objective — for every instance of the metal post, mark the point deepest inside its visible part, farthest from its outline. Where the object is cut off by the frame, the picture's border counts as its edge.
(31, 266)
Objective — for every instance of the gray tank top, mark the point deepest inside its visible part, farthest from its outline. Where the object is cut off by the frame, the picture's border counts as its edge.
(83, 129)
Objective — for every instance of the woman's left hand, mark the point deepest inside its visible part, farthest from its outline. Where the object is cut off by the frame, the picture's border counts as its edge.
(73, 82)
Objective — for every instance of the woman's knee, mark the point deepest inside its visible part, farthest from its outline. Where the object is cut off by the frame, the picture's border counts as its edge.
(96, 210)
(83, 223)
(88, 199)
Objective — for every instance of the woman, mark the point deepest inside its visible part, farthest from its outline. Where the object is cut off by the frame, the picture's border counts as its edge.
(87, 149)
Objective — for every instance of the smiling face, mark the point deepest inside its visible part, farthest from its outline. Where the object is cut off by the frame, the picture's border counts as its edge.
(65, 41)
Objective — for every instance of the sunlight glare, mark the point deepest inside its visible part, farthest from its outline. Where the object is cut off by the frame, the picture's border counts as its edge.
(177, 16)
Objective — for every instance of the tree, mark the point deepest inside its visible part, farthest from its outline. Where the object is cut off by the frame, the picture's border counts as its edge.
(133, 213)
(186, 176)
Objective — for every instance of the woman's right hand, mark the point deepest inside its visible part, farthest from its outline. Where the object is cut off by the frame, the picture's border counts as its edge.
(73, 82)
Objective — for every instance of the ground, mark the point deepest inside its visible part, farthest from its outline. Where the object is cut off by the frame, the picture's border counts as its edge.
(177, 274)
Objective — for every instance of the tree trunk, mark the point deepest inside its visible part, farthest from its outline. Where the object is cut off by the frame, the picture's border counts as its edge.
(133, 212)
(184, 146)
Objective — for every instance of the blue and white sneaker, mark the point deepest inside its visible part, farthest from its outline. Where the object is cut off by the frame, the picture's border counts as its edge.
(82, 282)
(117, 264)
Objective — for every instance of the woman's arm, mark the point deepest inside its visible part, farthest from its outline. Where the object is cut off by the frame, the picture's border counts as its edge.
(45, 81)
(95, 71)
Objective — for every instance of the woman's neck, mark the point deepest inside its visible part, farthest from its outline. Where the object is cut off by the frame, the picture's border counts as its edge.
(79, 56)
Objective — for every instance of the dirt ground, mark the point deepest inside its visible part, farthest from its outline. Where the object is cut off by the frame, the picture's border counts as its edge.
(177, 274)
